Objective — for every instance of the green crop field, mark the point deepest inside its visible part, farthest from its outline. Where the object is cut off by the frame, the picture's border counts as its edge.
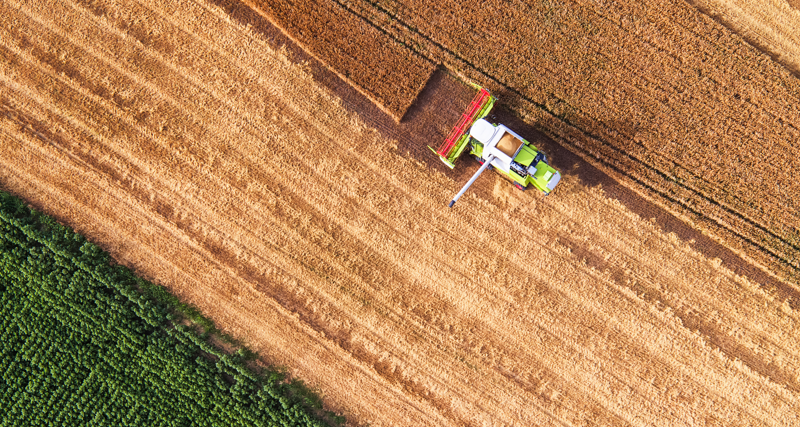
(87, 343)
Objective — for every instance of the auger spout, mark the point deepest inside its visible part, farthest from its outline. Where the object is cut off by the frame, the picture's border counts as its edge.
(474, 177)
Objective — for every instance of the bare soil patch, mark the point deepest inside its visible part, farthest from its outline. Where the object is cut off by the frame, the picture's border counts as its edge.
(169, 134)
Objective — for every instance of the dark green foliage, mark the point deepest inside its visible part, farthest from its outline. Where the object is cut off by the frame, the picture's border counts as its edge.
(84, 342)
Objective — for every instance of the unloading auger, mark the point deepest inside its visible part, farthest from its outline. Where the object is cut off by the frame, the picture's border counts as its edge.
(496, 146)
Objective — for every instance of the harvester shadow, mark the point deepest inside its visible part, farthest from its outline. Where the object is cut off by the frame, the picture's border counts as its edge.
(445, 98)
(439, 106)
(590, 176)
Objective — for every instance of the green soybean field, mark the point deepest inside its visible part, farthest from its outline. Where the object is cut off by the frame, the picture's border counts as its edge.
(85, 342)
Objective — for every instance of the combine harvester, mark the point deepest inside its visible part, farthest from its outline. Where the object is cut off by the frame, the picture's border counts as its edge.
(496, 146)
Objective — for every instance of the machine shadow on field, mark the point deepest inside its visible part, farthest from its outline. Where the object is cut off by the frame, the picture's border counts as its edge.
(590, 176)
(437, 109)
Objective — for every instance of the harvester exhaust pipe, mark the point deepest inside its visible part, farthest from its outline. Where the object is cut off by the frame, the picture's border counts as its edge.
(474, 177)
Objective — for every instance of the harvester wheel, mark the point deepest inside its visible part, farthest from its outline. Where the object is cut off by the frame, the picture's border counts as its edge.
(518, 185)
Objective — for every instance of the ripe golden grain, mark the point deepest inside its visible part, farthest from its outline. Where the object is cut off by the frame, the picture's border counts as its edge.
(202, 157)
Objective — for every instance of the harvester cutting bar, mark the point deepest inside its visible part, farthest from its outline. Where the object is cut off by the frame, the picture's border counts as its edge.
(455, 143)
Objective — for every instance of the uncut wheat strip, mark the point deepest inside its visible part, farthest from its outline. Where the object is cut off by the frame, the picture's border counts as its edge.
(771, 23)
(701, 35)
(81, 179)
(662, 16)
(378, 80)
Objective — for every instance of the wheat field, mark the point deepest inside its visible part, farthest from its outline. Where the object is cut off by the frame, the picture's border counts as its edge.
(200, 155)
(772, 25)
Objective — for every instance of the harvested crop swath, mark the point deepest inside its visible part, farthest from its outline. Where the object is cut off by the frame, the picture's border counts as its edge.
(155, 130)
(656, 94)
(386, 71)
(87, 343)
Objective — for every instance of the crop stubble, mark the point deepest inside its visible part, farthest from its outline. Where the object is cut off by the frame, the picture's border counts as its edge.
(157, 131)
(656, 94)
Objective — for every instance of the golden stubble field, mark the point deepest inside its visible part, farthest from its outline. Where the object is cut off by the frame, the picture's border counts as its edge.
(201, 156)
